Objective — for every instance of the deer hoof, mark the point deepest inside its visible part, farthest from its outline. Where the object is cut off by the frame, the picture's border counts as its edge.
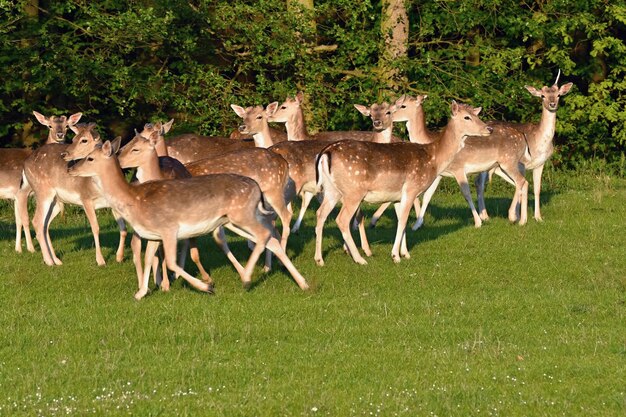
(247, 285)
(395, 258)
(319, 262)
(211, 289)
(361, 261)
(140, 294)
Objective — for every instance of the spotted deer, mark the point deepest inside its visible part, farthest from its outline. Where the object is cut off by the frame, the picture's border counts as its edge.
(12, 185)
(255, 125)
(352, 172)
(45, 170)
(201, 205)
(539, 137)
(141, 153)
(504, 148)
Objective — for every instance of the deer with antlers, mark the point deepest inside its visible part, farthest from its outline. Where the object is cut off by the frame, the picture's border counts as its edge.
(539, 137)
(352, 172)
(201, 205)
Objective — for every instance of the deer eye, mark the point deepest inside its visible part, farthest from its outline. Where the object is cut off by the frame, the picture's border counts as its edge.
(135, 150)
(283, 107)
(388, 113)
(83, 140)
(259, 117)
(403, 106)
(90, 159)
(467, 118)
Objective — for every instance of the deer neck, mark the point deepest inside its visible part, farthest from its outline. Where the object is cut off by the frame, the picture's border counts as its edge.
(296, 127)
(117, 191)
(416, 126)
(150, 170)
(161, 147)
(383, 136)
(541, 140)
(50, 139)
(263, 139)
(445, 149)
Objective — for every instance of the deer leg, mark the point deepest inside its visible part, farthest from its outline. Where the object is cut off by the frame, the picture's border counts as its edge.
(135, 247)
(151, 248)
(278, 203)
(328, 203)
(402, 212)
(119, 254)
(159, 266)
(537, 189)
(480, 182)
(428, 194)
(220, 239)
(306, 200)
(95, 229)
(169, 246)
(378, 213)
(21, 203)
(18, 228)
(404, 251)
(43, 211)
(461, 179)
(277, 249)
(195, 257)
(365, 244)
(350, 206)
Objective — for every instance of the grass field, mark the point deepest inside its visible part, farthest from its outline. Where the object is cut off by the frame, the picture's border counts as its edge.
(500, 321)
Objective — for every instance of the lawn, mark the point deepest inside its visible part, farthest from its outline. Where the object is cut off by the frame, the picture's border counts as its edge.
(498, 321)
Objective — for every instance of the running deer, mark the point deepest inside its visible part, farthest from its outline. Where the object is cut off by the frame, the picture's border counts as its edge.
(11, 173)
(45, 171)
(191, 147)
(141, 153)
(504, 148)
(255, 125)
(352, 172)
(201, 205)
(539, 137)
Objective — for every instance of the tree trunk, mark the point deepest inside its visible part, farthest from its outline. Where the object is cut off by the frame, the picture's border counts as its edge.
(395, 32)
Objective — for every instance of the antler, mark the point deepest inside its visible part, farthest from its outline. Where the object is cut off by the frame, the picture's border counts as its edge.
(556, 82)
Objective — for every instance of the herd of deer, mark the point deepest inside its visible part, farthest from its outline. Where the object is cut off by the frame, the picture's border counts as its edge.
(190, 185)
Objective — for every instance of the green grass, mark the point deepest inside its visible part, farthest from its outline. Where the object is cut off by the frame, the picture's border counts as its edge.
(500, 321)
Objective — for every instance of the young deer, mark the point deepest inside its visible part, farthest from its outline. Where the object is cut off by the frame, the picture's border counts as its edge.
(352, 172)
(268, 169)
(201, 205)
(11, 167)
(504, 148)
(46, 172)
(191, 147)
(539, 137)
(290, 113)
(141, 153)
(255, 125)
(11, 174)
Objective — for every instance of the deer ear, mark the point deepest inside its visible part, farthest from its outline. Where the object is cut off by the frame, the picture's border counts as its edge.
(454, 107)
(300, 97)
(107, 149)
(401, 100)
(74, 118)
(167, 126)
(154, 138)
(271, 109)
(241, 112)
(115, 145)
(476, 110)
(41, 118)
(365, 111)
(532, 90)
(74, 128)
(565, 88)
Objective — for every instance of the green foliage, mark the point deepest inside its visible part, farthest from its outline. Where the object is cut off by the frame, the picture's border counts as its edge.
(123, 63)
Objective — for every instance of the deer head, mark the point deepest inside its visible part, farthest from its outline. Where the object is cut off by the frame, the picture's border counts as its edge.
(286, 112)
(550, 95)
(57, 125)
(381, 114)
(406, 106)
(254, 118)
(85, 141)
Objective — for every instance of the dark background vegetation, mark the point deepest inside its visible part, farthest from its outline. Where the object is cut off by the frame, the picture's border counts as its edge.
(123, 63)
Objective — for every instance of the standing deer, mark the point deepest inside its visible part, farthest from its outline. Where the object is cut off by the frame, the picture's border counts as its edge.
(45, 171)
(352, 172)
(504, 148)
(539, 137)
(201, 205)
(12, 162)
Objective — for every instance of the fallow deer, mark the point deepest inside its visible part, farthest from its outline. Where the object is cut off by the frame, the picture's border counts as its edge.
(539, 137)
(352, 172)
(504, 148)
(255, 125)
(45, 171)
(201, 205)
(11, 173)
(141, 153)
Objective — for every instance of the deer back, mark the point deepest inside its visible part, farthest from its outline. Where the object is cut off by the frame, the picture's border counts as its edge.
(191, 147)
(11, 166)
